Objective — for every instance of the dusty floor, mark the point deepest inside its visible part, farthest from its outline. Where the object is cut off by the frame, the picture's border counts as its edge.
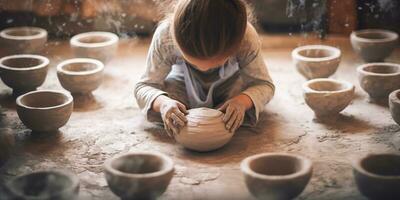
(111, 123)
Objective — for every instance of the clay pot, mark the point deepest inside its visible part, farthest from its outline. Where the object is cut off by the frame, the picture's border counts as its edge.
(140, 175)
(378, 176)
(316, 61)
(23, 73)
(327, 97)
(80, 75)
(23, 40)
(394, 105)
(45, 110)
(97, 45)
(379, 79)
(276, 176)
(204, 131)
(374, 45)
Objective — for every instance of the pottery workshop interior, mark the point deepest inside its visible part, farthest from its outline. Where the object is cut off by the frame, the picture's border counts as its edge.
(199, 99)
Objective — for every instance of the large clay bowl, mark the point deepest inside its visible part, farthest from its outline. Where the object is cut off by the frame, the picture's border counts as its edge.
(378, 176)
(23, 40)
(394, 105)
(316, 61)
(140, 175)
(45, 110)
(97, 45)
(80, 75)
(276, 176)
(374, 45)
(379, 79)
(23, 73)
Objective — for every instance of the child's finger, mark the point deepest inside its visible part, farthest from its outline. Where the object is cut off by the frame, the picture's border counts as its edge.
(223, 107)
(228, 114)
(182, 107)
(177, 120)
(237, 123)
(181, 116)
(231, 122)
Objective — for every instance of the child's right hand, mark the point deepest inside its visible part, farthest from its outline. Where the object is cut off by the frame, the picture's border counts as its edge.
(173, 115)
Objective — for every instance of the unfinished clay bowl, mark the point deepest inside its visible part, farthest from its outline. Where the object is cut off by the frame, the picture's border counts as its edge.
(394, 105)
(374, 45)
(24, 72)
(44, 110)
(316, 61)
(97, 45)
(276, 176)
(378, 176)
(23, 40)
(327, 97)
(204, 131)
(379, 79)
(140, 175)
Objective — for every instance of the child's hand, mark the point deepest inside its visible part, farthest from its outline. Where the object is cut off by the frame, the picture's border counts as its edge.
(173, 115)
(234, 110)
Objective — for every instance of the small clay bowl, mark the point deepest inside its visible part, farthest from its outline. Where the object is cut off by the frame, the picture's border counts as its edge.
(97, 45)
(43, 185)
(316, 61)
(44, 110)
(140, 175)
(276, 176)
(80, 76)
(374, 45)
(378, 176)
(379, 79)
(394, 105)
(24, 72)
(23, 40)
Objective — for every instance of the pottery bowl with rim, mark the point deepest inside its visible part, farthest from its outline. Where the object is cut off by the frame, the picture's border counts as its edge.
(378, 176)
(394, 105)
(44, 110)
(97, 45)
(139, 175)
(374, 45)
(379, 79)
(23, 40)
(316, 61)
(276, 176)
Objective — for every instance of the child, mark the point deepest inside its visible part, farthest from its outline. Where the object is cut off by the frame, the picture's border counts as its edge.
(206, 55)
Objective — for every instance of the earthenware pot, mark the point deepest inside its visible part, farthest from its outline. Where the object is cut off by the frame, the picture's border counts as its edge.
(80, 75)
(379, 79)
(23, 40)
(97, 45)
(44, 110)
(204, 131)
(394, 105)
(316, 61)
(378, 176)
(140, 175)
(374, 45)
(276, 176)
(23, 73)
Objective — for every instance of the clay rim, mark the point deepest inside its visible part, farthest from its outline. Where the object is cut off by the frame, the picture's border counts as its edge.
(336, 53)
(357, 166)
(394, 97)
(69, 100)
(45, 61)
(99, 66)
(392, 36)
(361, 69)
(307, 166)
(41, 33)
(111, 39)
(348, 86)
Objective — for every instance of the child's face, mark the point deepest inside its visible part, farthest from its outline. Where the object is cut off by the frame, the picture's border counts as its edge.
(206, 64)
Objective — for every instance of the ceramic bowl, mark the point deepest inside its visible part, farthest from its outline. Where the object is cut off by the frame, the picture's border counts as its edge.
(379, 79)
(378, 176)
(44, 110)
(394, 105)
(80, 75)
(23, 40)
(316, 61)
(23, 73)
(140, 175)
(276, 176)
(204, 131)
(374, 45)
(97, 45)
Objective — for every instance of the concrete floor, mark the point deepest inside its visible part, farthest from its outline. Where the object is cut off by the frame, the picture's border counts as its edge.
(110, 123)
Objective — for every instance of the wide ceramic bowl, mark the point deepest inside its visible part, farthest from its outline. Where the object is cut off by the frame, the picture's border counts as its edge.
(23, 40)
(394, 105)
(140, 175)
(278, 176)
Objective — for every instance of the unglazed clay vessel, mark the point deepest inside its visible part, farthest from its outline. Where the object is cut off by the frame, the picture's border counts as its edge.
(316, 61)
(140, 175)
(374, 45)
(44, 110)
(379, 79)
(43, 185)
(204, 131)
(378, 176)
(97, 45)
(23, 40)
(394, 105)
(80, 75)
(24, 72)
(276, 176)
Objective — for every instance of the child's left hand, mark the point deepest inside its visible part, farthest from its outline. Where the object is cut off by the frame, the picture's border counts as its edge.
(235, 110)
